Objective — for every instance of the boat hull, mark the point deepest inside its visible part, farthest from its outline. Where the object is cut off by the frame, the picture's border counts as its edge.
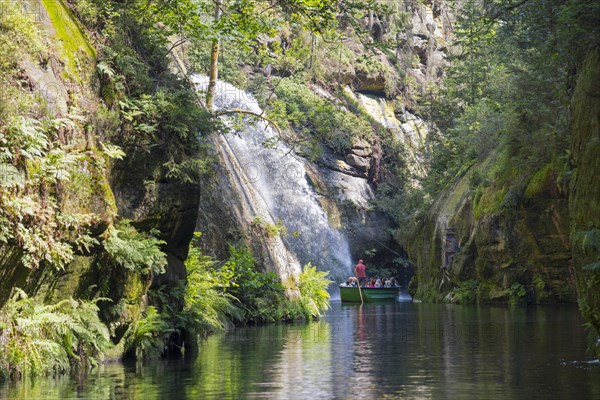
(370, 295)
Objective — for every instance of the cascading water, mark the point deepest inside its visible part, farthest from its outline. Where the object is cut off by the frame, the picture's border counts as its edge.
(274, 180)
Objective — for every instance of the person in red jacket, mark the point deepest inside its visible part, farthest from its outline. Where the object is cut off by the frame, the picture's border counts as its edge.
(360, 271)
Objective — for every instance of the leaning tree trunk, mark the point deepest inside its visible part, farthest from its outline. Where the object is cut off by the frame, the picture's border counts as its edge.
(213, 74)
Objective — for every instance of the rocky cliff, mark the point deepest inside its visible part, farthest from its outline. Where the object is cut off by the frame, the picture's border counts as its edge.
(58, 81)
(584, 197)
(510, 242)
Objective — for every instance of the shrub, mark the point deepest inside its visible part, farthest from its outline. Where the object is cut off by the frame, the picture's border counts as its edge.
(589, 243)
(260, 294)
(313, 289)
(270, 230)
(467, 292)
(516, 293)
(39, 339)
(135, 251)
(299, 107)
(208, 307)
(148, 336)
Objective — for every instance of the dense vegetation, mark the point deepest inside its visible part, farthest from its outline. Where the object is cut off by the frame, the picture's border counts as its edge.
(58, 211)
(502, 112)
(218, 296)
(504, 118)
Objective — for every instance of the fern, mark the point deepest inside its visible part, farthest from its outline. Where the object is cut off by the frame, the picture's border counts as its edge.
(40, 339)
(589, 241)
(28, 137)
(593, 267)
(10, 176)
(313, 289)
(113, 151)
(134, 250)
(210, 309)
(148, 337)
(31, 168)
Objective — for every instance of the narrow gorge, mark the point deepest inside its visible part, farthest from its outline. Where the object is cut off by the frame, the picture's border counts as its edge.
(452, 146)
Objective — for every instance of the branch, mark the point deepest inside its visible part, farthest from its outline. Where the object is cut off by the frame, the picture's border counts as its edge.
(266, 119)
(491, 19)
(246, 112)
(175, 44)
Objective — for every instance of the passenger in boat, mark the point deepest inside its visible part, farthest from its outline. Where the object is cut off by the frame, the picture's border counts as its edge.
(393, 282)
(378, 282)
(371, 283)
(388, 282)
(360, 271)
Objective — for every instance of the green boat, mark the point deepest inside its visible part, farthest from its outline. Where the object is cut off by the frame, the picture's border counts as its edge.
(350, 294)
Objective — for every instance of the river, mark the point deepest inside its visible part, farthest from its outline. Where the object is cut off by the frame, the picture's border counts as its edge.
(390, 351)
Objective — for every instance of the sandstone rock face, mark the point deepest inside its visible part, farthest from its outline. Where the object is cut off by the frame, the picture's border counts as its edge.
(423, 45)
(584, 199)
(407, 128)
(497, 246)
(171, 207)
(361, 163)
(348, 198)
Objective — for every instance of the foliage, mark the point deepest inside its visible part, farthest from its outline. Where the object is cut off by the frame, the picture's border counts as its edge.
(593, 340)
(19, 37)
(313, 289)
(299, 107)
(259, 293)
(589, 242)
(157, 110)
(270, 230)
(507, 91)
(466, 292)
(135, 251)
(540, 287)
(30, 208)
(404, 204)
(516, 293)
(215, 297)
(113, 151)
(209, 306)
(148, 336)
(39, 339)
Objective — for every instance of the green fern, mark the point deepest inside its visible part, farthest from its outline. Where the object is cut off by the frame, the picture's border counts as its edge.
(147, 338)
(10, 176)
(113, 151)
(209, 307)
(135, 251)
(40, 339)
(589, 242)
(313, 289)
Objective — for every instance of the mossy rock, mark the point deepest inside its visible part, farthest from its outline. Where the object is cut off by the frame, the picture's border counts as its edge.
(584, 204)
(77, 53)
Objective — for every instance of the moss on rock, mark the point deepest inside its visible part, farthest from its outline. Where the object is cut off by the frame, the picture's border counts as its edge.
(491, 234)
(76, 50)
(584, 200)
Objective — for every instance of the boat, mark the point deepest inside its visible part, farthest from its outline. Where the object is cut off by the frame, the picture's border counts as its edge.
(350, 294)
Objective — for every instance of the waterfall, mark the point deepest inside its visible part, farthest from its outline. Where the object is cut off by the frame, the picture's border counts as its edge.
(272, 181)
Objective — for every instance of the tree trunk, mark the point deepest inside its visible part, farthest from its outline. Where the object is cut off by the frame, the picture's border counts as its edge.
(213, 74)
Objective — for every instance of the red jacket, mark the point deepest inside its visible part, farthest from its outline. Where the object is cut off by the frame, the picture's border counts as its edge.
(360, 270)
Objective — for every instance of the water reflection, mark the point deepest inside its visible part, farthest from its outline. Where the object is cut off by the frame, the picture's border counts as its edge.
(396, 350)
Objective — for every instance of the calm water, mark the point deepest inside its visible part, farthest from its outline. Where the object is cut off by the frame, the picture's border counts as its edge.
(390, 351)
